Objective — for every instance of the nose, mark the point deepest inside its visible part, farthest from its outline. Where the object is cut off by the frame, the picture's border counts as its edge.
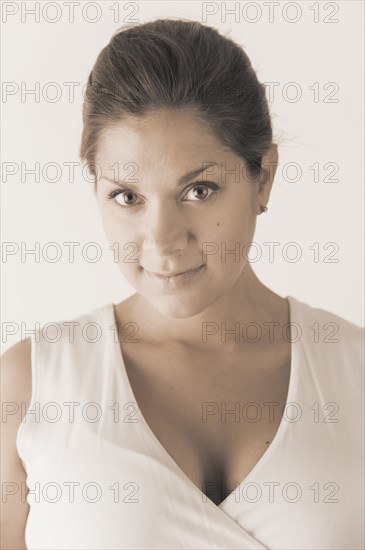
(164, 231)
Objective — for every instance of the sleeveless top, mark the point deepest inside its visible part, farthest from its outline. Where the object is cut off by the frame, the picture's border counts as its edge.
(99, 478)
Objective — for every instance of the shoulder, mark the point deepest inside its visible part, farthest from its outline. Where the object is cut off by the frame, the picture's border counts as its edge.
(71, 331)
(16, 373)
(311, 314)
(16, 393)
(18, 361)
(328, 334)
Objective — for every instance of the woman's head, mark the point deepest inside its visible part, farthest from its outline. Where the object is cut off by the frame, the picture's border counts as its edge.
(165, 99)
(178, 64)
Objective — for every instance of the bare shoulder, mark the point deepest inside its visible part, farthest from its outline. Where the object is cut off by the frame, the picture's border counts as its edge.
(16, 373)
(16, 389)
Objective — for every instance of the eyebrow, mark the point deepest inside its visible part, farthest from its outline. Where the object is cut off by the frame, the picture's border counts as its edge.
(184, 179)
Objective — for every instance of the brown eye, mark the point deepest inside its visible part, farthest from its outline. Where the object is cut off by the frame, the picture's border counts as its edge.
(202, 190)
(127, 197)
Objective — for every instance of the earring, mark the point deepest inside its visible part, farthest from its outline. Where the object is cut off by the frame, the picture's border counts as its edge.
(263, 209)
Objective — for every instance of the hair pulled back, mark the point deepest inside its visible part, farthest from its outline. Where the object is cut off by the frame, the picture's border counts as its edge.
(178, 64)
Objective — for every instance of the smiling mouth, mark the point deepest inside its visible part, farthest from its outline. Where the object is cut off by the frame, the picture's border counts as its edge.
(174, 274)
(173, 281)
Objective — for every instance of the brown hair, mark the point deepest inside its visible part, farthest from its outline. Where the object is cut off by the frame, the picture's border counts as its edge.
(176, 63)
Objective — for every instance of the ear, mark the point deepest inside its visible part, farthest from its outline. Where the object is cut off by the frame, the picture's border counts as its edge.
(269, 163)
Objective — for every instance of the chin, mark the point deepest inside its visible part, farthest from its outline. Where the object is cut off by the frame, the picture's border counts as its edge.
(180, 303)
(177, 307)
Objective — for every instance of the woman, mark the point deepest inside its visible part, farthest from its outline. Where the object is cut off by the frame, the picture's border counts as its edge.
(205, 411)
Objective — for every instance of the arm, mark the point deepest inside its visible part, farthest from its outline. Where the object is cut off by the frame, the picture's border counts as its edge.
(16, 381)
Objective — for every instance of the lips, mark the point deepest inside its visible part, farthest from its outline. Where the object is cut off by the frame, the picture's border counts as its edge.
(174, 273)
(179, 278)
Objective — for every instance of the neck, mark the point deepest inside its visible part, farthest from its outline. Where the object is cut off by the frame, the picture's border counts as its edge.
(247, 301)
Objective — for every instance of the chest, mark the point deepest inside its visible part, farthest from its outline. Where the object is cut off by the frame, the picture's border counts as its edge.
(214, 416)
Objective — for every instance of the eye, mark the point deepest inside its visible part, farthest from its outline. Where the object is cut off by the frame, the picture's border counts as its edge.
(125, 195)
(201, 188)
(199, 192)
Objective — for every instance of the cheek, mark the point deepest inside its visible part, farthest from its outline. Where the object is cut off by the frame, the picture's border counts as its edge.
(111, 228)
(233, 219)
(122, 238)
(113, 222)
(227, 245)
(238, 226)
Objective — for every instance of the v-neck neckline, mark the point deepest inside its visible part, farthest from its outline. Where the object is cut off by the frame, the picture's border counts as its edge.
(283, 426)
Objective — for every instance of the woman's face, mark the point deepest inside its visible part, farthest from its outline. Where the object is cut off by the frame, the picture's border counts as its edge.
(168, 220)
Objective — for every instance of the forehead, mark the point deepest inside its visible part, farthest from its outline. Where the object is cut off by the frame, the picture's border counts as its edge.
(173, 136)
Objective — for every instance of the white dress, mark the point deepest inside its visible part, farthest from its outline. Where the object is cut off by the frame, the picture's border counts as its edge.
(100, 479)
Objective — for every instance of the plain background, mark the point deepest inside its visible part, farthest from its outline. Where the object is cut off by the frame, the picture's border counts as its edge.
(307, 131)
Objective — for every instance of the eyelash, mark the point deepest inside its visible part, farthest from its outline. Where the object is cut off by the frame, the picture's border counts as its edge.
(210, 185)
